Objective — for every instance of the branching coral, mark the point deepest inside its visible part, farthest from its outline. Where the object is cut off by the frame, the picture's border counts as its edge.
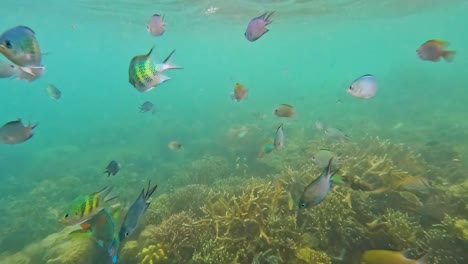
(152, 254)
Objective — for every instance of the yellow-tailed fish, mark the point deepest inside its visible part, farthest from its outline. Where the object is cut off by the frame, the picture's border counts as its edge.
(86, 206)
(390, 257)
(144, 74)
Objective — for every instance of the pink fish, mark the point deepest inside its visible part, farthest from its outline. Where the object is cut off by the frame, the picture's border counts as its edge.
(257, 27)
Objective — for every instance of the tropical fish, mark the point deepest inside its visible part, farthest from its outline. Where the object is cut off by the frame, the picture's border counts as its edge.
(102, 228)
(112, 168)
(53, 92)
(156, 25)
(336, 133)
(135, 212)
(20, 46)
(15, 132)
(86, 206)
(284, 110)
(257, 27)
(323, 156)
(7, 69)
(433, 50)
(174, 145)
(240, 92)
(279, 138)
(145, 75)
(379, 256)
(363, 87)
(146, 106)
(317, 190)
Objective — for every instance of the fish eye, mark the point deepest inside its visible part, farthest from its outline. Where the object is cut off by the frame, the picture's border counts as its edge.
(126, 234)
(302, 205)
(8, 44)
(67, 215)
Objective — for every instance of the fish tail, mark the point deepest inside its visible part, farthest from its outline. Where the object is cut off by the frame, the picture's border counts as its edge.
(148, 194)
(267, 18)
(104, 193)
(167, 65)
(329, 169)
(449, 55)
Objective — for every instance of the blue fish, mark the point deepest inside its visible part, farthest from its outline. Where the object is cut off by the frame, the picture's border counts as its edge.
(318, 189)
(257, 27)
(135, 212)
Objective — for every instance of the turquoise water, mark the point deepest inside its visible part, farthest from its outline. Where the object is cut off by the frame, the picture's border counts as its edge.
(313, 51)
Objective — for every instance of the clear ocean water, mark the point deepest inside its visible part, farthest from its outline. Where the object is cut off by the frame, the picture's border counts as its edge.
(313, 51)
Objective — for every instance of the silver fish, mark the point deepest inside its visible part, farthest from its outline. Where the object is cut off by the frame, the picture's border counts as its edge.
(14, 132)
(317, 190)
(364, 87)
(279, 138)
(135, 212)
(322, 157)
(7, 69)
(336, 133)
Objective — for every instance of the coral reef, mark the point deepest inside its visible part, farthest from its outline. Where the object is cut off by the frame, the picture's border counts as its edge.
(152, 254)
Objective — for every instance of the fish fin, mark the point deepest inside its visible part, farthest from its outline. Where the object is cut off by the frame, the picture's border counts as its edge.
(150, 190)
(27, 70)
(162, 78)
(328, 170)
(167, 65)
(449, 55)
(267, 18)
(104, 193)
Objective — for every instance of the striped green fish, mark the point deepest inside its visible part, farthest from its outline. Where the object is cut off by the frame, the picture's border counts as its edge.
(20, 46)
(144, 74)
(86, 206)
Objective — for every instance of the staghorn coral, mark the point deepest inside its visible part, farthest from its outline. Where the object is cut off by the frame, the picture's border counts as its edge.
(254, 221)
(152, 254)
(176, 234)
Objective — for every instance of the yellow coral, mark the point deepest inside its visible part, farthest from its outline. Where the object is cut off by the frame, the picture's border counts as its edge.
(462, 226)
(311, 256)
(152, 254)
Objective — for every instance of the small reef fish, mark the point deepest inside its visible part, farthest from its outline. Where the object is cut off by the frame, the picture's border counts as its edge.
(317, 190)
(323, 156)
(257, 27)
(156, 25)
(86, 206)
(135, 212)
(266, 148)
(146, 107)
(7, 69)
(240, 92)
(364, 87)
(112, 168)
(144, 74)
(433, 50)
(174, 145)
(102, 228)
(390, 257)
(15, 132)
(53, 92)
(20, 46)
(414, 183)
(336, 133)
(279, 138)
(284, 110)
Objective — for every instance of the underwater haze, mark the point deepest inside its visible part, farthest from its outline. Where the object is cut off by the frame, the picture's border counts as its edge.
(227, 193)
